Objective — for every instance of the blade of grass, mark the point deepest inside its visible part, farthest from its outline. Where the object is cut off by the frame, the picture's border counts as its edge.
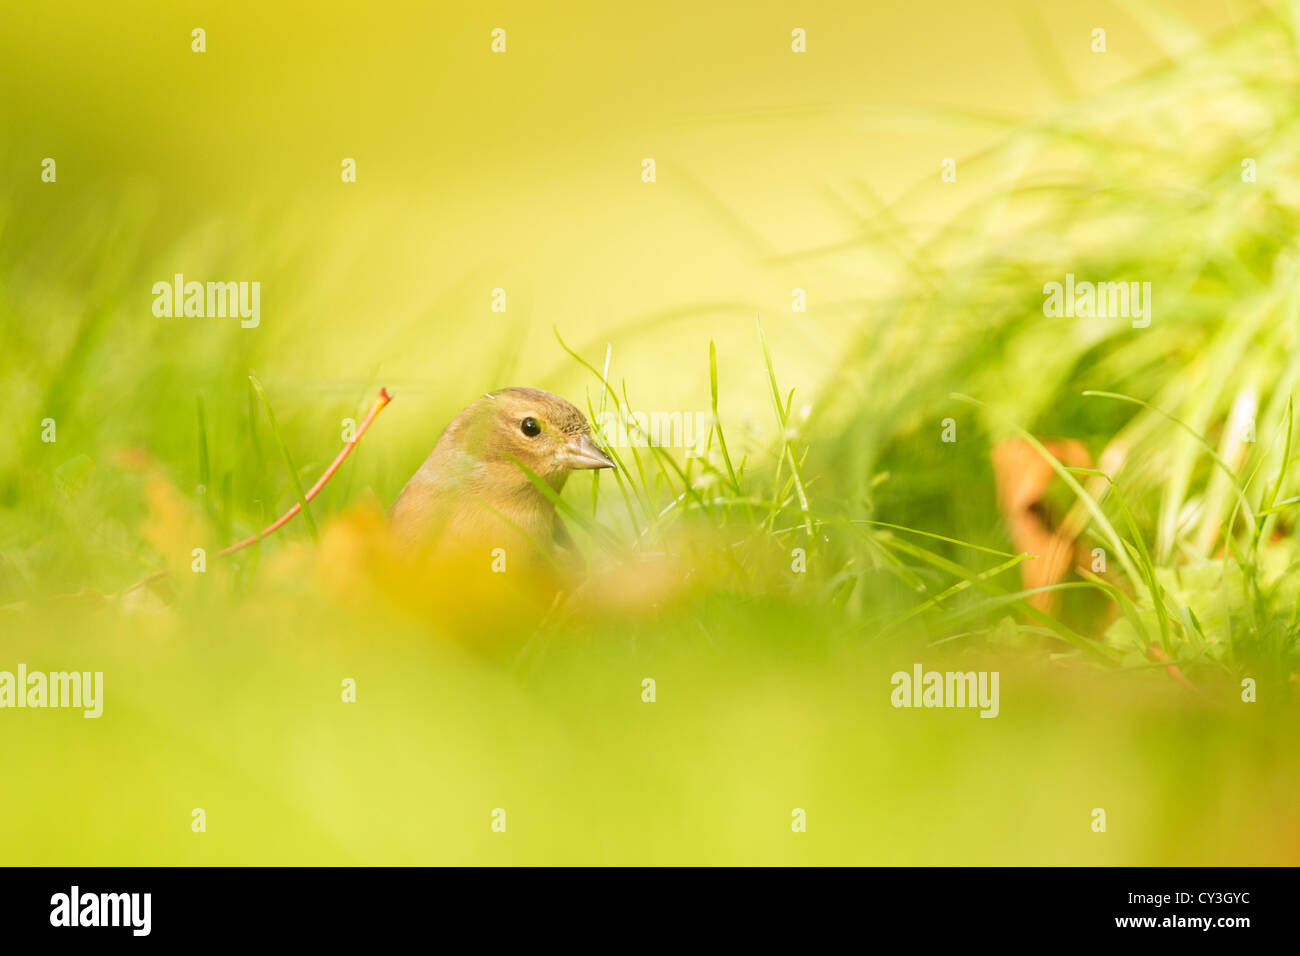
(288, 459)
(782, 422)
(717, 422)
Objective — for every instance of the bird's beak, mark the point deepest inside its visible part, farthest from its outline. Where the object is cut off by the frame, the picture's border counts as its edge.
(583, 453)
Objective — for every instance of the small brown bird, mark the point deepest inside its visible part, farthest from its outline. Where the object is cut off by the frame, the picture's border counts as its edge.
(470, 492)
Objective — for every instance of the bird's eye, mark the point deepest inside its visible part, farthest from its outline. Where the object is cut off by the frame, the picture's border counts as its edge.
(530, 427)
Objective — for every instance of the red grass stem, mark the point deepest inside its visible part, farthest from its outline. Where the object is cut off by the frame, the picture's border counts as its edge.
(377, 407)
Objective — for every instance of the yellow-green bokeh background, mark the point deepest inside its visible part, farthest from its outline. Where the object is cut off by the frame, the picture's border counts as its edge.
(522, 171)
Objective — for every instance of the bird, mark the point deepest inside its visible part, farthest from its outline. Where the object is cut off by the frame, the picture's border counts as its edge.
(471, 492)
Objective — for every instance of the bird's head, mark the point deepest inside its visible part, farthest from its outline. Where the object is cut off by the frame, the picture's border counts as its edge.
(536, 429)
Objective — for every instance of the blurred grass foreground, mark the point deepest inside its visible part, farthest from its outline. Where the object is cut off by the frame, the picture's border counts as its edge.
(710, 680)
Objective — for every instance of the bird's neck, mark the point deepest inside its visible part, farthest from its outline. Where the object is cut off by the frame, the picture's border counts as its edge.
(518, 500)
